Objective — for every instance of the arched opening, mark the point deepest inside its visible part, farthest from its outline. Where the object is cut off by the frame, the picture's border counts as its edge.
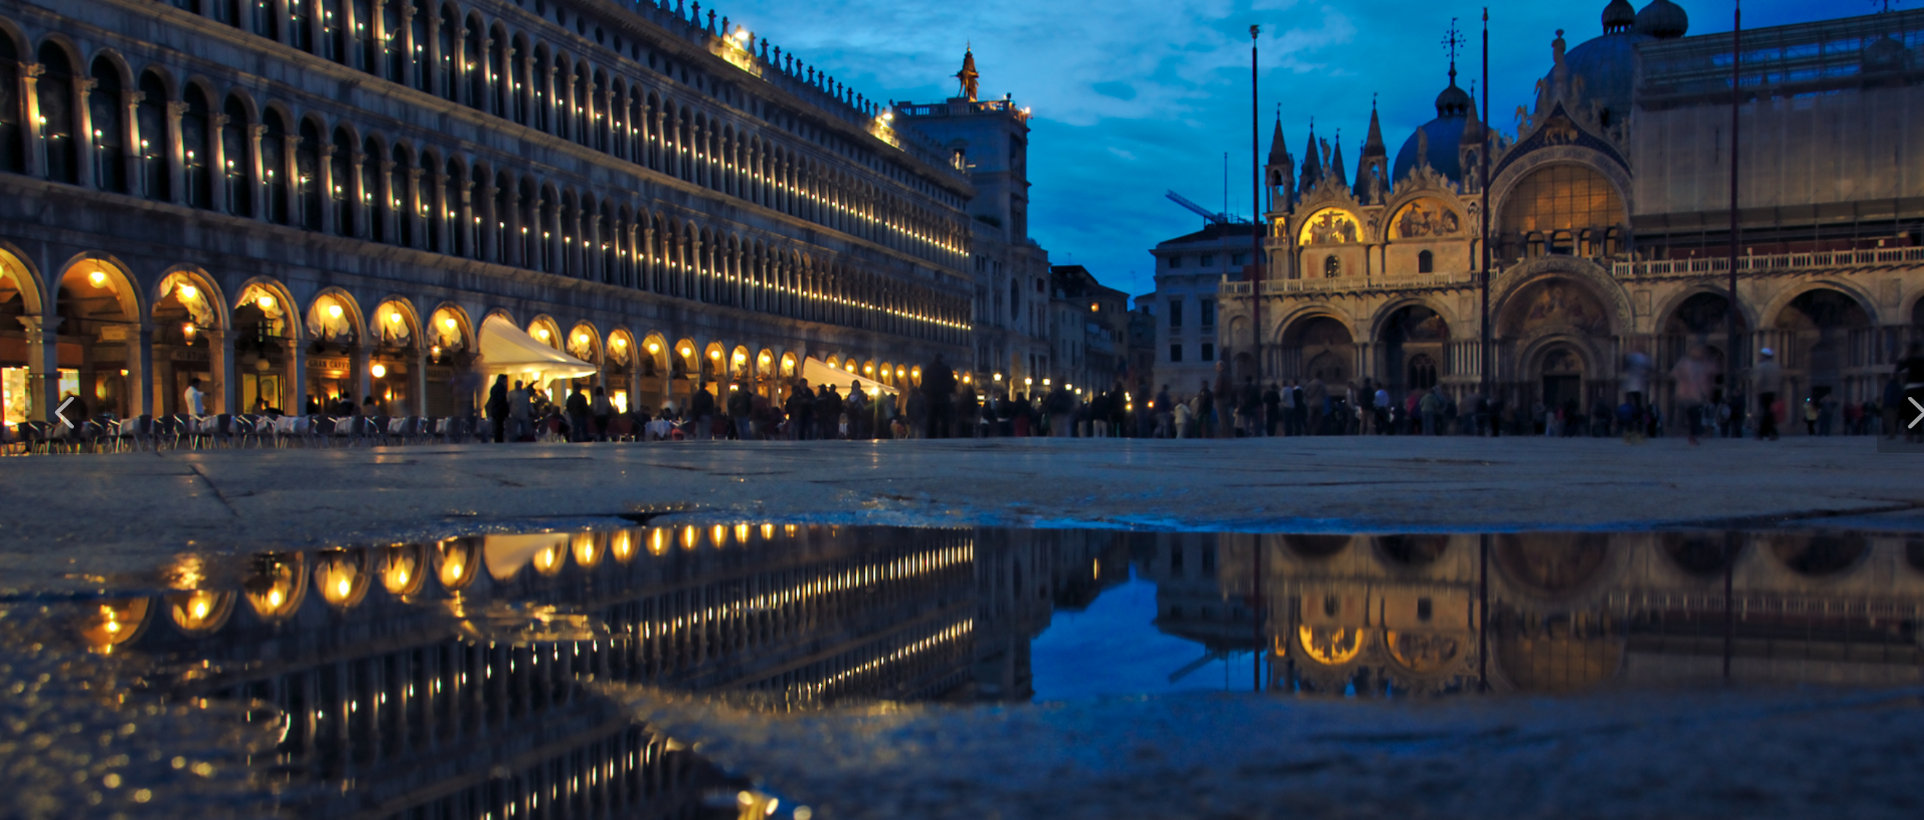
(197, 143)
(1827, 352)
(1319, 347)
(12, 114)
(261, 348)
(656, 371)
(393, 362)
(333, 337)
(1414, 339)
(1543, 212)
(584, 343)
(186, 347)
(150, 117)
(98, 307)
(452, 382)
(18, 300)
(1425, 262)
(621, 368)
(108, 117)
(1560, 374)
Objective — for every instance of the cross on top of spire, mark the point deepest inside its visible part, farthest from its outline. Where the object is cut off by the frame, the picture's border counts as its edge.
(1452, 41)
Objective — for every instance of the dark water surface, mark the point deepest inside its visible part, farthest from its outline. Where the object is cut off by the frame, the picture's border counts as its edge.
(499, 676)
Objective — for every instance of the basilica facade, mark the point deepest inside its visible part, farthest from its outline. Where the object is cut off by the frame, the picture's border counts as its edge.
(1609, 223)
(297, 199)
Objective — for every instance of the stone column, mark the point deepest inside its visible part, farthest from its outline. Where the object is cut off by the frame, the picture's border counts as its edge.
(358, 370)
(411, 202)
(324, 170)
(418, 379)
(176, 154)
(595, 259)
(358, 195)
(130, 140)
(140, 369)
(462, 191)
(43, 367)
(216, 163)
(36, 147)
(550, 103)
(488, 245)
(389, 213)
(220, 365)
(295, 385)
(436, 86)
(84, 132)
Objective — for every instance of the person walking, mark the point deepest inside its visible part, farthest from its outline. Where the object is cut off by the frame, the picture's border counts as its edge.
(741, 409)
(800, 409)
(1636, 384)
(1766, 381)
(603, 411)
(497, 407)
(938, 388)
(520, 411)
(577, 407)
(1272, 409)
(701, 412)
(193, 402)
(1695, 375)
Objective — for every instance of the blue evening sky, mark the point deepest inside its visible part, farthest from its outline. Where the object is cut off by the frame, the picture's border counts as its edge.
(1135, 97)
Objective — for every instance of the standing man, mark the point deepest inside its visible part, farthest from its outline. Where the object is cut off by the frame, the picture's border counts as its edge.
(701, 411)
(497, 407)
(938, 386)
(193, 402)
(1767, 380)
(520, 410)
(577, 407)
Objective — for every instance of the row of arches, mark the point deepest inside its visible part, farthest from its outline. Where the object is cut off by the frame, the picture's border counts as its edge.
(1559, 340)
(493, 66)
(230, 154)
(130, 345)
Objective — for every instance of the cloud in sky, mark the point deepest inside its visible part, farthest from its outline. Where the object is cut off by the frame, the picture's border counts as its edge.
(1135, 97)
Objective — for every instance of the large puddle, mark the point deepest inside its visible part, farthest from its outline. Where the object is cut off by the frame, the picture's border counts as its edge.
(817, 671)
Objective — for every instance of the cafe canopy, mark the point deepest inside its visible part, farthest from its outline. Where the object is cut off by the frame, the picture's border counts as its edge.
(508, 349)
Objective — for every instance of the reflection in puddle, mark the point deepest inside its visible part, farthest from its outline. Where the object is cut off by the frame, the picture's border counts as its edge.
(466, 677)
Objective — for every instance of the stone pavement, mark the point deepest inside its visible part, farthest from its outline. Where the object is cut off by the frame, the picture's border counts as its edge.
(74, 517)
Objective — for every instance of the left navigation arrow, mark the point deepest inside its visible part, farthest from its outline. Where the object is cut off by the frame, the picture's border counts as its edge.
(61, 412)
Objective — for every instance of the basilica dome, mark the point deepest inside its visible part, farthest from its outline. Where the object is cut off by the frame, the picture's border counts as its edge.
(1438, 138)
(1663, 20)
(1608, 66)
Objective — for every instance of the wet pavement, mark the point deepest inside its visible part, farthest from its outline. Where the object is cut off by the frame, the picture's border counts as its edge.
(747, 667)
(74, 518)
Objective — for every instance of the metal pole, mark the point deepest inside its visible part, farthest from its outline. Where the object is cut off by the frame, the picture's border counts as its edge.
(1255, 217)
(1736, 230)
(1487, 362)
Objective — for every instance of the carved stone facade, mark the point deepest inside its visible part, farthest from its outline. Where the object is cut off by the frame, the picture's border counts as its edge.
(290, 200)
(1610, 225)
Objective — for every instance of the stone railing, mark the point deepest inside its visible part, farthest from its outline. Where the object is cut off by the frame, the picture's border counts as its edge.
(1825, 260)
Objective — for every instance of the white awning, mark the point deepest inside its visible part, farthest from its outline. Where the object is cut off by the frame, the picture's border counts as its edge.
(508, 349)
(818, 373)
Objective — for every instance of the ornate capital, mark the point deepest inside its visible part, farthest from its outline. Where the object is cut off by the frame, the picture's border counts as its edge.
(176, 109)
(134, 97)
(217, 121)
(32, 71)
(257, 132)
(84, 84)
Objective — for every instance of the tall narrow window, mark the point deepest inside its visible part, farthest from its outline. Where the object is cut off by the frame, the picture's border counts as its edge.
(12, 141)
(237, 163)
(55, 92)
(196, 146)
(374, 207)
(151, 119)
(341, 177)
(274, 168)
(109, 121)
(307, 175)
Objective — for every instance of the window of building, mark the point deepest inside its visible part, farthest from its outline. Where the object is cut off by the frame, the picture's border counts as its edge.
(1208, 259)
(1560, 198)
(1208, 351)
(1208, 559)
(1175, 560)
(1175, 313)
(1175, 354)
(1239, 259)
(1332, 267)
(1425, 262)
(1175, 260)
(1208, 313)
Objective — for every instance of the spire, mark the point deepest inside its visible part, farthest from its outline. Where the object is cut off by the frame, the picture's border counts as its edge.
(1373, 142)
(1336, 161)
(1312, 163)
(968, 74)
(1278, 152)
(1472, 127)
(1450, 102)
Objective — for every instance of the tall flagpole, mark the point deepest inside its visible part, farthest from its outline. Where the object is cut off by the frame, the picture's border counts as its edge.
(1488, 361)
(1255, 217)
(1736, 230)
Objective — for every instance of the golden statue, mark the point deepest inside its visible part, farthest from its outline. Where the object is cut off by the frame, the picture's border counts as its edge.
(968, 75)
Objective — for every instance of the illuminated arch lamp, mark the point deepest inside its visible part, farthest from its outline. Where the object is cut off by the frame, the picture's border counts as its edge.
(341, 577)
(114, 622)
(403, 569)
(586, 547)
(276, 585)
(1330, 645)
(456, 563)
(200, 612)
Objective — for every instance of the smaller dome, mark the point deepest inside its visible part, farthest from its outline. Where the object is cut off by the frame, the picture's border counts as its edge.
(1453, 102)
(1663, 20)
(1887, 54)
(1619, 16)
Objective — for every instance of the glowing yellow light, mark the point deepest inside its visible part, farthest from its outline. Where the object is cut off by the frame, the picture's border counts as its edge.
(98, 278)
(378, 370)
(189, 293)
(334, 311)
(449, 323)
(265, 303)
(581, 338)
(394, 317)
(541, 333)
(620, 343)
(654, 348)
(714, 354)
